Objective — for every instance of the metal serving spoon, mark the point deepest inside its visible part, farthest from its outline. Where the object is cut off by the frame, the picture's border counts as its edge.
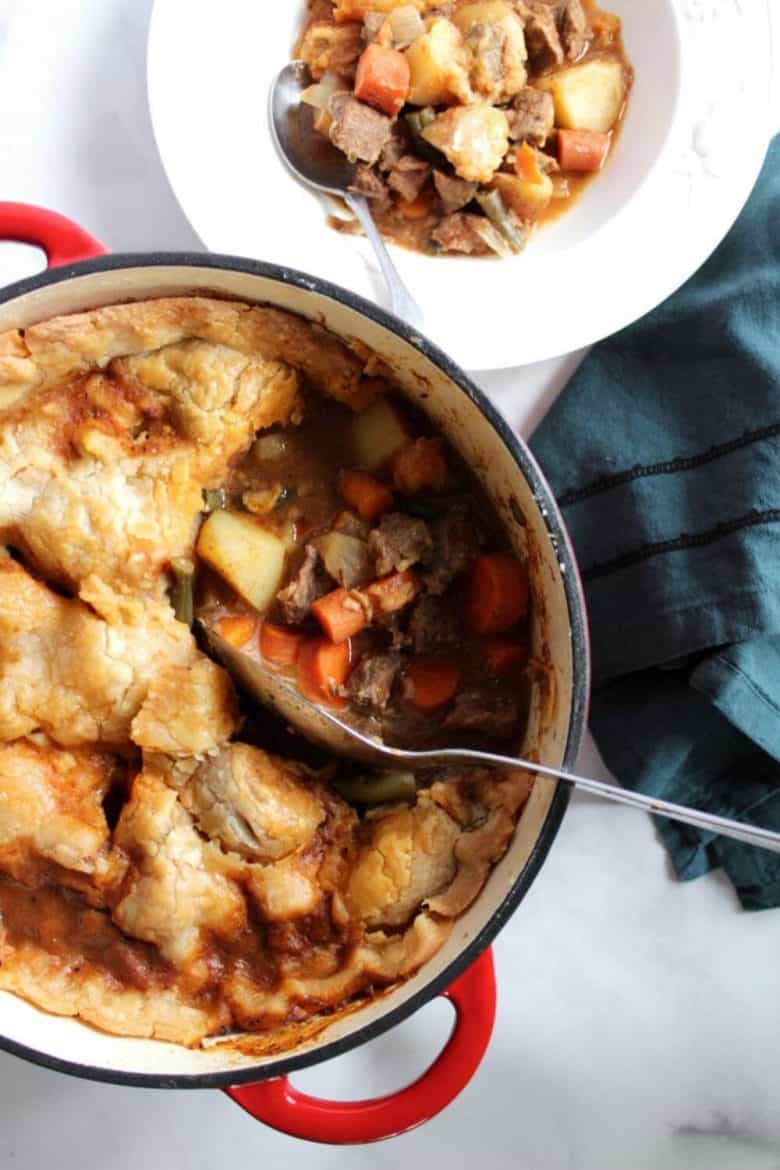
(315, 161)
(326, 729)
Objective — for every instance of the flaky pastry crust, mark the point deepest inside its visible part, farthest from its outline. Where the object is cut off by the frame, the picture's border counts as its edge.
(158, 877)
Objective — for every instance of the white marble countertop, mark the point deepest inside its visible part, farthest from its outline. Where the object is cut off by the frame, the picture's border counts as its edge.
(639, 1019)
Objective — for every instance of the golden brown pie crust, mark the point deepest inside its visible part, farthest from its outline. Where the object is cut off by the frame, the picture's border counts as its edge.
(158, 877)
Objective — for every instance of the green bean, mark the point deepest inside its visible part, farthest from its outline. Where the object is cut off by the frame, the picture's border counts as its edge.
(495, 209)
(214, 499)
(182, 593)
(490, 235)
(379, 788)
(420, 119)
(417, 123)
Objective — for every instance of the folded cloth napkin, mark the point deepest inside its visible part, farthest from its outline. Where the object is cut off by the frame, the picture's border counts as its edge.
(664, 453)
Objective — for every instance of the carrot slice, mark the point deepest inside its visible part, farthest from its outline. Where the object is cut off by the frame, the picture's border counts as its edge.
(417, 208)
(527, 164)
(501, 656)
(419, 465)
(391, 593)
(370, 498)
(434, 682)
(236, 630)
(383, 78)
(322, 667)
(345, 612)
(497, 593)
(341, 614)
(279, 645)
(582, 150)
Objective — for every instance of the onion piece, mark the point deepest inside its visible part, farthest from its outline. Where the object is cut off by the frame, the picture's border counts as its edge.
(319, 95)
(346, 558)
(405, 25)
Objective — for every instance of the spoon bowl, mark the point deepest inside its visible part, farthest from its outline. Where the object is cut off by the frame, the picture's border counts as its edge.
(314, 160)
(311, 157)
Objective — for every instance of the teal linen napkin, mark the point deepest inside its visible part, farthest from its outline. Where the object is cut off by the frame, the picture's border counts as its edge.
(664, 453)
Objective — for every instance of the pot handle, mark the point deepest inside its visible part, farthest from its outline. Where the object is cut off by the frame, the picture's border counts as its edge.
(62, 240)
(278, 1104)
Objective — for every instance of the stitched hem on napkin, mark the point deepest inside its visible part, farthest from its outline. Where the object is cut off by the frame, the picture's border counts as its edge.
(674, 633)
(741, 700)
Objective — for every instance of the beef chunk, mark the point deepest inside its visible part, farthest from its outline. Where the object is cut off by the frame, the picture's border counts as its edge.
(432, 624)
(532, 116)
(488, 713)
(397, 145)
(454, 193)
(455, 546)
(408, 177)
(457, 233)
(367, 182)
(371, 682)
(309, 583)
(393, 626)
(541, 36)
(574, 28)
(400, 541)
(360, 131)
(545, 162)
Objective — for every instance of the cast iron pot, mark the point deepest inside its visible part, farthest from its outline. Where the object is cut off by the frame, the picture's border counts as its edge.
(81, 275)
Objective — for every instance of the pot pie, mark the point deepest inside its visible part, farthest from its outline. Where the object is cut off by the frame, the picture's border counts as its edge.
(173, 863)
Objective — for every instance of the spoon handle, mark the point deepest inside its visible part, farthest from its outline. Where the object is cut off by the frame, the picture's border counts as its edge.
(724, 826)
(402, 304)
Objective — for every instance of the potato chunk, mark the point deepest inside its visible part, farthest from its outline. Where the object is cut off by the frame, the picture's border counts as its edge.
(588, 96)
(482, 12)
(377, 434)
(527, 199)
(327, 48)
(496, 41)
(473, 138)
(360, 9)
(249, 557)
(438, 62)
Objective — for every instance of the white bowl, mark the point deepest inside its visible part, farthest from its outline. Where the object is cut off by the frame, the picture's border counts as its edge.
(631, 239)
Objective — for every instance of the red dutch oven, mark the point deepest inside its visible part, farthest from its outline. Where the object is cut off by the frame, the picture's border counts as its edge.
(81, 275)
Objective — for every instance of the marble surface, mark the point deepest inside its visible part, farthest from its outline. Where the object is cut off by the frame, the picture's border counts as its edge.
(638, 1018)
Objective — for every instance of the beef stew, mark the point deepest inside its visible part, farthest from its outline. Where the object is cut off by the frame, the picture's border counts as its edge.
(396, 600)
(470, 121)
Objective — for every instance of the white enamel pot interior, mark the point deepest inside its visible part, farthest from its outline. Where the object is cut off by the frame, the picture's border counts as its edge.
(517, 488)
